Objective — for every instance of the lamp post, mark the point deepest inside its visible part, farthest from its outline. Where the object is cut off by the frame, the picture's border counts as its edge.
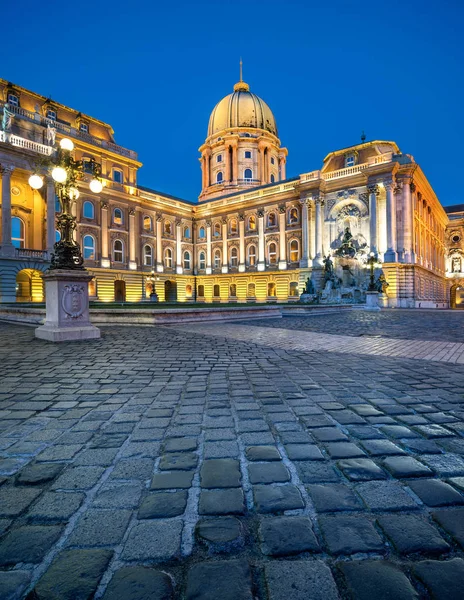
(372, 294)
(153, 294)
(371, 261)
(66, 281)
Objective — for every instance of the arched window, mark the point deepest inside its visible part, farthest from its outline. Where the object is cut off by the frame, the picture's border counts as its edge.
(252, 223)
(248, 174)
(217, 230)
(272, 178)
(233, 290)
(271, 219)
(147, 223)
(272, 253)
(186, 260)
(201, 291)
(202, 260)
(201, 232)
(293, 215)
(118, 251)
(271, 289)
(88, 210)
(167, 227)
(293, 289)
(233, 226)
(17, 232)
(188, 291)
(217, 259)
(89, 247)
(233, 257)
(187, 233)
(251, 290)
(219, 177)
(118, 216)
(219, 158)
(294, 251)
(216, 291)
(168, 258)
(118, 176)
(57, 236)
(252, 255)
(147, 255)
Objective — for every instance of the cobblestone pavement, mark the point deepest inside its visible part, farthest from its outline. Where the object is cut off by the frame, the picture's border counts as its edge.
(169, 464)
(435, 325)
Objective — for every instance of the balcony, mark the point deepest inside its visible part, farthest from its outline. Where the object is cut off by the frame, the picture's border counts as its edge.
(348, 171)
(31, 253)
(66, 129)
(20, 142)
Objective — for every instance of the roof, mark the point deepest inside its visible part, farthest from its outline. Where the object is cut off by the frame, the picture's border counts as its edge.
(361, 146)
(454, 208)
(158, 193)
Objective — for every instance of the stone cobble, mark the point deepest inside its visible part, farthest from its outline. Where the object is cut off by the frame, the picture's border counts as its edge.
(178, 464)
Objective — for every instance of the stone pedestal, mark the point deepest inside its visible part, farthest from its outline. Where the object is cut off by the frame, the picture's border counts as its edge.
(67, 307)
(154, 297)
(383, 300)
(307, 298)
(372, 301)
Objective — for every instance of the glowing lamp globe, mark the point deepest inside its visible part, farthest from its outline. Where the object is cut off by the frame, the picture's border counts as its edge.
(67, 144)
(59, 174)
(73, 193)
(35, 181)
(95, 186)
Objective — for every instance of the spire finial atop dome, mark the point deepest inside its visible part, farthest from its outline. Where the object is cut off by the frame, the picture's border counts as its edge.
(241, 86)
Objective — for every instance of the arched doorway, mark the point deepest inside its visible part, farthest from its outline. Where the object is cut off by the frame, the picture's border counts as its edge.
(170, 291)
(457, 295)
(29, 286)
(119, 290)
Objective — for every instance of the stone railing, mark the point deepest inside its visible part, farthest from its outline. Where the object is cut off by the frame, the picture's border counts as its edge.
(68, 130)
(20, 142)
(347, 171)
(31, 253)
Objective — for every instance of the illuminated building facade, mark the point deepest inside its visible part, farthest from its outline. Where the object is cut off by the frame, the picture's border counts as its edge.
(253, 236)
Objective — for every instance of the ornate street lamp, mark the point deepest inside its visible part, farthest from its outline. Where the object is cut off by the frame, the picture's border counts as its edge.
(66, 172)
(66, 281)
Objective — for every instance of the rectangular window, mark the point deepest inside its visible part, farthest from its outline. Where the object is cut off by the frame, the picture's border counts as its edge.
(84, 128)
(51, 114)
(247, 154)
(117, 176)
(13, 100)
(349, 161)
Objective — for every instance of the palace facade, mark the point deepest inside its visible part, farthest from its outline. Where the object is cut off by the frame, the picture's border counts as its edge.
(253, 235)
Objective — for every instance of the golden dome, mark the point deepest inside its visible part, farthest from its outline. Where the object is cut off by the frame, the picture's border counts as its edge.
(241, 109)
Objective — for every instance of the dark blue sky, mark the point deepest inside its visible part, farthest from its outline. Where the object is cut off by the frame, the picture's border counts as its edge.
(154, 70)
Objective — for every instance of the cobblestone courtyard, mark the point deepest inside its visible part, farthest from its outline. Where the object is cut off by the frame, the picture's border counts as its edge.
(229, 462)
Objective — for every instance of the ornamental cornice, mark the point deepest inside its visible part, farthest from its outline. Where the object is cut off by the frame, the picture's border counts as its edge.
(167, 244)
(260, 212)
(6, 169)
(272, 238)
(373, 188)
(282, 209)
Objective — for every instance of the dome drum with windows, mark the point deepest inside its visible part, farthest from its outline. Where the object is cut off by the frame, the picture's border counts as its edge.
(242, 149)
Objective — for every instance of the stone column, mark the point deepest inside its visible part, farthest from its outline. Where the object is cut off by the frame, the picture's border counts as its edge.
(209, 269)
(7, 247)
(373, 193)
(235, 162)
(179, 268)
(51, 228)
(159, 251)
(225, 267)
(132, 239)
(390, 254)
(304, 261)
(408, 217)
(282, 238)
(242, 258)
(261, 252)
(282, 162)
(105, 259)
(317, 261)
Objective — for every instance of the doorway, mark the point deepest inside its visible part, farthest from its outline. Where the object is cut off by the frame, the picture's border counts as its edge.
(170, 291)
(119, 290)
